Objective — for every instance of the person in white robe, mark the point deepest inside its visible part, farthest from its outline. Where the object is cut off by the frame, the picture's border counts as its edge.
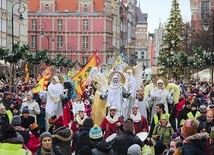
(131, 87)
(115, 90)
(54, 98)
(141, 103)
(159, 95)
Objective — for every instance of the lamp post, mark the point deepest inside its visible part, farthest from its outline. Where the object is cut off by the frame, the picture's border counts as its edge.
(41, 26)
(206, 28)
(20, 10)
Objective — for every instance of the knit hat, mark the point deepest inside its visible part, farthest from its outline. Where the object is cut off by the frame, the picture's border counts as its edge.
(34, 127)
(9, 132)
(2, 106)
(59, 121)
(45, 134)
(88, 122)
(25, 110)
(134, 150)
(52, 120)
(95, 133)
(6, 93)
(203, 109)
(190, 127)
(30, 94)
(16, 120)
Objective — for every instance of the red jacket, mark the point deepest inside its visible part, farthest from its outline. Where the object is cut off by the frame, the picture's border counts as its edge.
(141, 126)
(33, 143)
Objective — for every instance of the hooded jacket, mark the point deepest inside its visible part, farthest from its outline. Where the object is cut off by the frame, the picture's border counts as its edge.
(196, 144)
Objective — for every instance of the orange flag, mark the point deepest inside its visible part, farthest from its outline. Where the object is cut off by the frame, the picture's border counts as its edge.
(84, 72)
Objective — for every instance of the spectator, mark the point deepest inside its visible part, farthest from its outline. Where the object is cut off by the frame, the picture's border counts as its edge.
(3, 118)
(62, 136)
(34, 142)
(11, 144)
(16, 122)
(134, 150)
(46, 147)
(100, 145)
(51, 122)
(81, 137)
(26, 119)
(33, 106)
(123, 142)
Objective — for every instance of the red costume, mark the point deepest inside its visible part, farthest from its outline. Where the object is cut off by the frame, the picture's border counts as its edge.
(109, 125)
(141, 126)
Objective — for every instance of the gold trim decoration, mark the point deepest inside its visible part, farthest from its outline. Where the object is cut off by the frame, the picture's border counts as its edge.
(55, 100)
(122, 79)
(101, 65)
(129, 68)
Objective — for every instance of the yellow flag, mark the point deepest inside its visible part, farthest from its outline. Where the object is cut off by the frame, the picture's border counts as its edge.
(118, 62)
(26, 73)
(84, 72)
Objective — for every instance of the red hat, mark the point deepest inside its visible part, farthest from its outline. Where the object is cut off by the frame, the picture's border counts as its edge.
(59, 121)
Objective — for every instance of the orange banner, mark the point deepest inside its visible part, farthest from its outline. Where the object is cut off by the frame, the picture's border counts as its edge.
(84, 72)
(26, 73)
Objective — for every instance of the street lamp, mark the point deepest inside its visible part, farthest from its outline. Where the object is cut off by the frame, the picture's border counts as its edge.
(20, 10)
(206, 28)
(41, 26)
(48, 38)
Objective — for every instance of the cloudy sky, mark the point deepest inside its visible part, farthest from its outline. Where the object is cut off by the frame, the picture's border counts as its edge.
(158, 10)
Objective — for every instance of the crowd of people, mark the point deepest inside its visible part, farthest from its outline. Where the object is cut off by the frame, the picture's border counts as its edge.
(115, 115)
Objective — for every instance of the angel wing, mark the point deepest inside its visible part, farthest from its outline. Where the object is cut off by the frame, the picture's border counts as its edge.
(172, 86)
(148, 89)
(92, 73)
(138, 74)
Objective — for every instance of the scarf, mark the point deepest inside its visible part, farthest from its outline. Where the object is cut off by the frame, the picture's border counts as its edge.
(136, 118)
(79, 120)
(47, 151)
(112, 120)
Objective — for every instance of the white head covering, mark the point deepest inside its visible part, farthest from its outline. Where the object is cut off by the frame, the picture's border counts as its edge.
(56, 78)
(159, 81)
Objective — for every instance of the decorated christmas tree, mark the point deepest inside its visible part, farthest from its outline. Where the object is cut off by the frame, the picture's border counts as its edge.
(171, 42)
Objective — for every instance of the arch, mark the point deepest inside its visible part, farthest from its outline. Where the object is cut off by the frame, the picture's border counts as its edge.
(46, 7)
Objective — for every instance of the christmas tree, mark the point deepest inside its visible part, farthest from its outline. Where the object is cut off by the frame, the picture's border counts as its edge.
(171, 42)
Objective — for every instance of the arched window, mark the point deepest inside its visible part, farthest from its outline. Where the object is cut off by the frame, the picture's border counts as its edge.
(46, 7)
(85, 8)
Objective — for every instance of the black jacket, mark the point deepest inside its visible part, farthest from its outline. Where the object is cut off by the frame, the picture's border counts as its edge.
(81, 138)
(103, 148)
(124, 141)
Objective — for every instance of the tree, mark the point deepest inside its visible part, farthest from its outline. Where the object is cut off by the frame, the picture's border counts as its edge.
(171, 43)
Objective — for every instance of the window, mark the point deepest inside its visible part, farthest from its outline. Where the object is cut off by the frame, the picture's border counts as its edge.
(33, 21)
(59, 41)
(59, 24)
(85, 8)
(204, 9)
(47, 8)
(85, 24)
(33, 41)
(85, 60)
(85, 42)
(4, 25)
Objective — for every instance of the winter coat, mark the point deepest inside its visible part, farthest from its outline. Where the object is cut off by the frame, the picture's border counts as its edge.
(124, 141)
(62, 139)
(33, 143)
(41, 119)
(195, 144)
(12, 146)
(23, 132)
(182, 116)
(161, 133)
(103, 148)
(6, 103)
(3, 121)
(26, 122)
(55, 149)
(81, 138)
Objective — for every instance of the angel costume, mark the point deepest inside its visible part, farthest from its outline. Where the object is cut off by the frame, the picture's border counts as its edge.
(54, 100)
(132, 88)
(99, 107)
(159, 95)
(115, 90)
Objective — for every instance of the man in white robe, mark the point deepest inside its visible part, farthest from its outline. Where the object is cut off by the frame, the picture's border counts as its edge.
(54, 98)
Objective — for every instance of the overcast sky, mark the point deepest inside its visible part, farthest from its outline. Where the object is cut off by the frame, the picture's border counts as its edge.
(158, 10)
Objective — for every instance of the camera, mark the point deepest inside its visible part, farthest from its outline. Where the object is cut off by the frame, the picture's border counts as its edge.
(160, 137)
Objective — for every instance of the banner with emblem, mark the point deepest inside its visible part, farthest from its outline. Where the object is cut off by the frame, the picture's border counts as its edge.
(43, 82)
(119, 62)
(26, 73)
(84, 72)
